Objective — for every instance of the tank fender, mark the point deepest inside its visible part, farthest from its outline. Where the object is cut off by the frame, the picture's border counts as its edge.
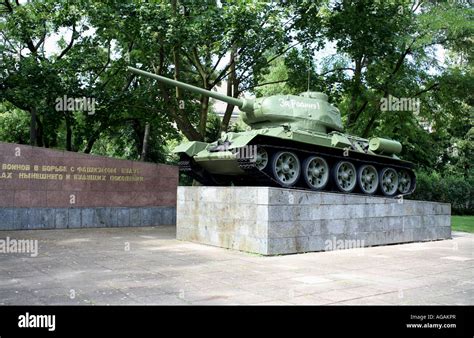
(190, 148)
(241, 140)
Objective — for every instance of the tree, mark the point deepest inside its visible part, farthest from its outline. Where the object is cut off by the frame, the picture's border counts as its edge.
(31, 79)
(87, 64)
(201, 44)
(388, 47)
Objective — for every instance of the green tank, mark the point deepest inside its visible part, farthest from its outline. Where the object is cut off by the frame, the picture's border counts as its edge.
(295, 141)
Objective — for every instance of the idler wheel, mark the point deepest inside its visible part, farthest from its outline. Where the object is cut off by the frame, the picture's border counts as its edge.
(404, 181)
(262, 158)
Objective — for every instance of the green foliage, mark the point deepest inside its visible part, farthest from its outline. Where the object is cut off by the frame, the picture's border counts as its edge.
(238, 126)
(456, 190)
(13, 124)
(276, 73)
(213, 127)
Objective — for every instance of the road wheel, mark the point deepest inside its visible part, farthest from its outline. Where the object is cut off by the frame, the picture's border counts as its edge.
(345, 176)
(316, 172)
(368, 179)
(286, 168)
(388, 181)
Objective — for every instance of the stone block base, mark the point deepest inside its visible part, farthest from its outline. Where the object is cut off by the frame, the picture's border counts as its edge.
(273, 221)
(64, 218)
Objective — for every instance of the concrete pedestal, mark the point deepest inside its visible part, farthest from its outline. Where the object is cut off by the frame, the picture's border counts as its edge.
(273, 221)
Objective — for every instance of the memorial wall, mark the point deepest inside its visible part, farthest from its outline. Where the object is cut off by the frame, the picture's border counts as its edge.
(44, 188)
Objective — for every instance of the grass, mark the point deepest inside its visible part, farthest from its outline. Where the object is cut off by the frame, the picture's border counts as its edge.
(462, 223)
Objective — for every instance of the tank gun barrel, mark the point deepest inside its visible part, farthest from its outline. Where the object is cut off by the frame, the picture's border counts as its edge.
(231, 100)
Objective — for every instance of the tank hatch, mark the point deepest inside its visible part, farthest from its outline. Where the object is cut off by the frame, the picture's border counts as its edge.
(314, 95)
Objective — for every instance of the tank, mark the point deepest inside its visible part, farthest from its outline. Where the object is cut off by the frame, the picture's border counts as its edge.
(294, 141)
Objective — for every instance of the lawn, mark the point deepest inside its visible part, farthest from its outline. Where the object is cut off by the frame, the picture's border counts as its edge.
(462, 223)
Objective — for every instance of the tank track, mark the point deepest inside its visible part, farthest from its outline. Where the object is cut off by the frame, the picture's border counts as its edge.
(257, 177)
(264, 178)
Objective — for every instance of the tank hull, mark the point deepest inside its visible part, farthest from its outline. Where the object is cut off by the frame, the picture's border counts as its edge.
(233, 158)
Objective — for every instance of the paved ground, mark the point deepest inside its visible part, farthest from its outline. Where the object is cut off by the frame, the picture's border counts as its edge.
(148, 266)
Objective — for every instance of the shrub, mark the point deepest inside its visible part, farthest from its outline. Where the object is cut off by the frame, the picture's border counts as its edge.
(456, 190)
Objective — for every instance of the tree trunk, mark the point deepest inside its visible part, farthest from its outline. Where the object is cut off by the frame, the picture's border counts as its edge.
(33, 126)
(232, 90)
(373, 118)
(91, 141)
(186, 127)
(176, 59)
(369, 125)
(68, 133)
(145, 142)
(203, 118)
(138, 136)
(181, 119)
(39, 132)
(355, 93)
(226, 119)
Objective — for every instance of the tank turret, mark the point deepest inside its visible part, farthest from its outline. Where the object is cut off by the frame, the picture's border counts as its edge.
(309, 111)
